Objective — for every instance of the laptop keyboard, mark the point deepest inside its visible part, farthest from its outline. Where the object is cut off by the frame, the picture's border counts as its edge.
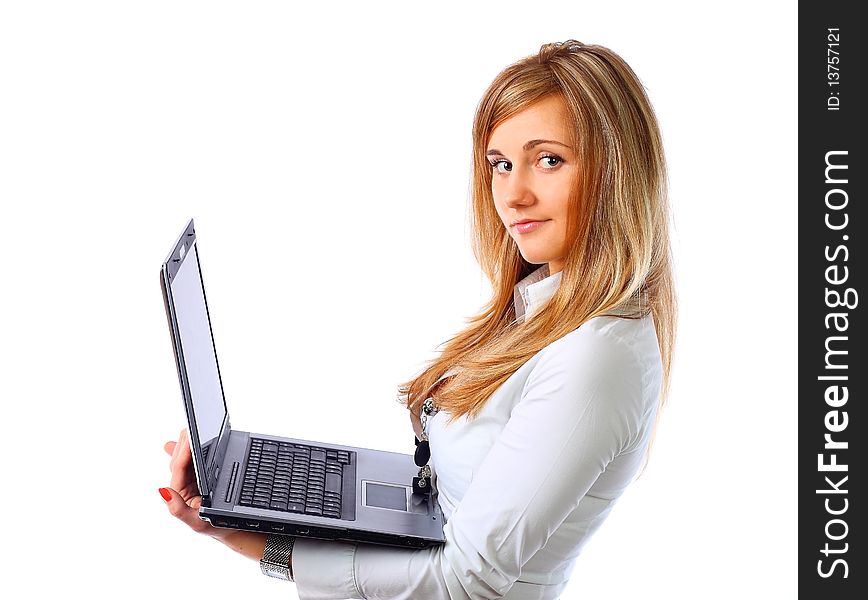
(294, 477)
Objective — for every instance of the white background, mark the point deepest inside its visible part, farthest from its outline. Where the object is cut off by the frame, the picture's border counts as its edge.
(325, 155)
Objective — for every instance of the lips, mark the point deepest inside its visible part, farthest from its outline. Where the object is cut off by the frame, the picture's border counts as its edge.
(527, 225)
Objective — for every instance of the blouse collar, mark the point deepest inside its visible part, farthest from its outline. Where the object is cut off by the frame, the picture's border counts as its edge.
(533, 291)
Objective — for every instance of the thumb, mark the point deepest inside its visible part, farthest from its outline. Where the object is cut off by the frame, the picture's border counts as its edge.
(182, 511)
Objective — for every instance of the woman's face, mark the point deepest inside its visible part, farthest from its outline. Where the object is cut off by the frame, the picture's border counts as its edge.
(533, 170)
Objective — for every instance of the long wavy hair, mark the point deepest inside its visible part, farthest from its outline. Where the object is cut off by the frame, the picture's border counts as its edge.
(619, 257)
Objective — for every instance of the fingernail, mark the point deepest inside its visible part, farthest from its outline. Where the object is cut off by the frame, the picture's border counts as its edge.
(165, 494)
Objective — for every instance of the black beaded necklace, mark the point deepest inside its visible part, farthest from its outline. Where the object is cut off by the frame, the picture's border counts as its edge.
(422, 482)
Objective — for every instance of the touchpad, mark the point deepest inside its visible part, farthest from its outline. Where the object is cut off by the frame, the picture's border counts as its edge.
(384, 495)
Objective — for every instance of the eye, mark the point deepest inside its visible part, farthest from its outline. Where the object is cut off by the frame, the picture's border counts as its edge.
(501, 166)
(550, 161)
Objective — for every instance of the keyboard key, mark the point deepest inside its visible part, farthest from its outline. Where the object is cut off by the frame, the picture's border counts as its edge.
(333, 483)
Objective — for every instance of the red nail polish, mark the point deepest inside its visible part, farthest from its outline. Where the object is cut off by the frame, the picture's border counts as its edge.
(165, 494)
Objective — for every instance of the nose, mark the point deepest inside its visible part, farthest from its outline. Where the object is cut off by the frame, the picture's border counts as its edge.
(517, 191)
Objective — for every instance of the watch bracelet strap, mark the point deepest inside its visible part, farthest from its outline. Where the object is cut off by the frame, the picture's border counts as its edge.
(277, 555)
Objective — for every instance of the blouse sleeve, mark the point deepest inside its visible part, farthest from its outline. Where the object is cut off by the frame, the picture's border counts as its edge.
(574, 416)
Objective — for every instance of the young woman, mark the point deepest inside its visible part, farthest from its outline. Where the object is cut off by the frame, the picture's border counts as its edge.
(541, 412)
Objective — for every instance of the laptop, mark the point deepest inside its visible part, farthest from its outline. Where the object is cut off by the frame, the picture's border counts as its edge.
(269, 483)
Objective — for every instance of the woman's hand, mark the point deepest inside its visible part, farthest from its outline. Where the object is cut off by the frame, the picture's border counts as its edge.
(183, 500)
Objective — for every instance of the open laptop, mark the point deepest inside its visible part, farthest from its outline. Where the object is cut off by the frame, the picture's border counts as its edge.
(275, 484)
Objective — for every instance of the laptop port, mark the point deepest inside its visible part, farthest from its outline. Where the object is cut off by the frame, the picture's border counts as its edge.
(251, 524)
(278, 527)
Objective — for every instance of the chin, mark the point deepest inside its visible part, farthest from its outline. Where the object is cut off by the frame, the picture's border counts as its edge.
(535, 259)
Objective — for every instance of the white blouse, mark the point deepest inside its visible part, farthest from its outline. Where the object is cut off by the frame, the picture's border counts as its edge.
(526, 483)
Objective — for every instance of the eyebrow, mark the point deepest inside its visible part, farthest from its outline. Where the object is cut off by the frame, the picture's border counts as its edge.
(528, 146)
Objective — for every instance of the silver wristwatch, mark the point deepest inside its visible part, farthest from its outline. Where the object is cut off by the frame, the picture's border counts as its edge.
(275, 559)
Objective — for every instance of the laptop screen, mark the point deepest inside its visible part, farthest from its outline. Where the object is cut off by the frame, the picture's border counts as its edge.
(200, 357)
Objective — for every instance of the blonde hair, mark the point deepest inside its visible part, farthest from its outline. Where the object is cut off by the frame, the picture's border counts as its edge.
(619, 226)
